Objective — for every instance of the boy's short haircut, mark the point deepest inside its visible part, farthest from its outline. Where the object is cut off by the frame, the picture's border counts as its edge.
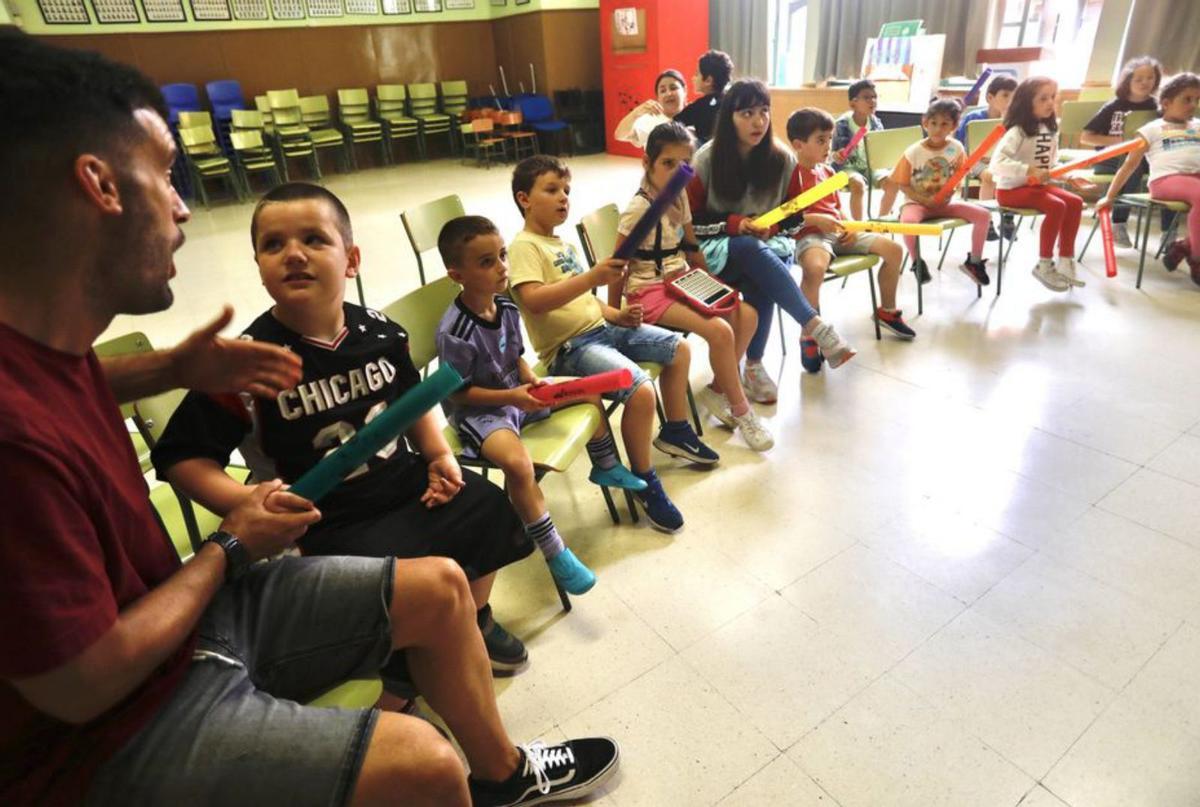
(1001, 84)
(717, 65)
(858, 86)
(457, 233)
(947, 107)
(526, 174)
(297, 192)
(803, 122)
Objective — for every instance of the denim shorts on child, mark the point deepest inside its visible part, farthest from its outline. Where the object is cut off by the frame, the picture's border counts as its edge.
(236, 731)
(611, 347)
(859, 245)
(473, 429)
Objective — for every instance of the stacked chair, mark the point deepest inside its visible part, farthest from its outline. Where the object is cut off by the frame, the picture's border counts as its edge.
(423, 105)
(357, 125)
(391, 109)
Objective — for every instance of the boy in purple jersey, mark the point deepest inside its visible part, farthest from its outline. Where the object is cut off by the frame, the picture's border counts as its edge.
(400, 503)
(480, 337)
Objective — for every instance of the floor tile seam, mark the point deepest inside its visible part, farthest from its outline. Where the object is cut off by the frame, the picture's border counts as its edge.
(707, 634)
(1073, 494)
(782, 755)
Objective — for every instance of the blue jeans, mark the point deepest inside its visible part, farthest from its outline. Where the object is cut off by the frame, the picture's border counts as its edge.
(765, 281)
(611, 347)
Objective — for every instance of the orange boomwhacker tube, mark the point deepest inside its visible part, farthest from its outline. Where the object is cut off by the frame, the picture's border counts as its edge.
(1100, 156)
(969, 163)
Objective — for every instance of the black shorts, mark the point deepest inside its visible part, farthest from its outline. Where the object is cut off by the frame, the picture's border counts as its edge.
(478, 528)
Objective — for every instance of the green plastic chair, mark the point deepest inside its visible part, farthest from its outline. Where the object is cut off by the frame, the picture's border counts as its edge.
(292, 138)
(318, 117)
(190, 120)
(1075, 115)
(423, 105)
(263, 105)
(423, 223)
(884, 149)
(354, 116)
(205, 161)
(391, 107)
(553, 444)
(251, 156)
(454, 98)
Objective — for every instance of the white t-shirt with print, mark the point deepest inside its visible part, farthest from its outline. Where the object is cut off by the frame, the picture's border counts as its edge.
(1174, 148)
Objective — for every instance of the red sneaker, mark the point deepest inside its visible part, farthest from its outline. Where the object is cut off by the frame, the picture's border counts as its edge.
(894, 322)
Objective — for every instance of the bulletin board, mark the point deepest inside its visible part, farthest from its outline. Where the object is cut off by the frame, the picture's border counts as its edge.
(115, 12)
(206, 10)
(250, 9)
(287, 9)
(164, 10)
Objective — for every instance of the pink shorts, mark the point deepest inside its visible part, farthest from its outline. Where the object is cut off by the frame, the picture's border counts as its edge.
(654, 299)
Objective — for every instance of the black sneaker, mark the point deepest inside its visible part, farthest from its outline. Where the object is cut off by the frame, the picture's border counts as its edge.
(1008, 226)
(992, 234)
(507, 652)
(921, 270)
(549, 773)
(976, 270)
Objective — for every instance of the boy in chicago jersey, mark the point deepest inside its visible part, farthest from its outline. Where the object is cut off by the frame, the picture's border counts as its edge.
(402, 502)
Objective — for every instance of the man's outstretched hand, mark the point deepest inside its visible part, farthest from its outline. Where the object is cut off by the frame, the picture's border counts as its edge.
(208, 362)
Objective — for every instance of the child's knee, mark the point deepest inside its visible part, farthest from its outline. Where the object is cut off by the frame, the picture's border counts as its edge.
(857, 184)
(642, 398)
(718, 332)
(683, 353)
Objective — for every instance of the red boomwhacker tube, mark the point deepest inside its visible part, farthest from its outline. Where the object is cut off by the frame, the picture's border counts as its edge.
(1106, 239)
(597, 384)
(969, 163)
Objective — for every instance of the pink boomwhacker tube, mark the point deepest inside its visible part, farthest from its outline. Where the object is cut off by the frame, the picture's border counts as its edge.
(844, 154)
(597, 384)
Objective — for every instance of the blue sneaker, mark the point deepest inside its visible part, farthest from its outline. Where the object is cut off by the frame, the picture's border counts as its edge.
(680, 440)
(570, 573)
(811, 357)
(663, 514)
(617, 476)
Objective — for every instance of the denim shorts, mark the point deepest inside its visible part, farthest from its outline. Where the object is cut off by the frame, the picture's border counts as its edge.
(611, 347)
(236, 730)
(860, 245)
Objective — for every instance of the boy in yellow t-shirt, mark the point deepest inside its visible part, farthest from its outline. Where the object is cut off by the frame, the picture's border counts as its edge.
(577, 335)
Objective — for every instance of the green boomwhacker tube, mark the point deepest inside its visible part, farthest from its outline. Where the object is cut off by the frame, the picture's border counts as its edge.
(398, 418)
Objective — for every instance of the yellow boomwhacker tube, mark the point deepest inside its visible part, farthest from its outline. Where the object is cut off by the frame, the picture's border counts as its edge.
(897, 227)
(819, 191)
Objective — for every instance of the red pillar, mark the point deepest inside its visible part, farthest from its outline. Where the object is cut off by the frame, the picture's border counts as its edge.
(676, 34)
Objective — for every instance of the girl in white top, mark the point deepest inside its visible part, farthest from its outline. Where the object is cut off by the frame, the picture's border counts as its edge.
(670, 96)
(1171, 144)
(922, 171)
(667, 252)
(1021, 167)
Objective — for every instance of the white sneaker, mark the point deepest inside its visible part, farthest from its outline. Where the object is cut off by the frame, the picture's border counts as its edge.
(1066, 269)
(758, 384)
(717, 405)
(1045, 274)
(753, 431)
(837, 351)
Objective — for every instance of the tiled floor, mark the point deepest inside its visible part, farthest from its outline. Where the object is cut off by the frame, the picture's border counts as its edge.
(968, 574)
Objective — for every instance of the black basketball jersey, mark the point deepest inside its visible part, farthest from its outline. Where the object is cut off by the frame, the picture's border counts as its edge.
(346, 383)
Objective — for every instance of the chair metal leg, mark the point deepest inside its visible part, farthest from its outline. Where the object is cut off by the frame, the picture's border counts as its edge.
(695, 412)
(612, 507)
(945, 249)
(874, 304)
(920, 286)
(1088, 242)
(782, 335)
(562, 593)
(1144, 232)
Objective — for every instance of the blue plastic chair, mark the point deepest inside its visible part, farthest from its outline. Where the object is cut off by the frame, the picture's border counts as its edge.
(224, 97)
(538, 113)
(181, 98)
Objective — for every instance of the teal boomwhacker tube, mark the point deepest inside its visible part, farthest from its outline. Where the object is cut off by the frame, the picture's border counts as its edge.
(398, 418)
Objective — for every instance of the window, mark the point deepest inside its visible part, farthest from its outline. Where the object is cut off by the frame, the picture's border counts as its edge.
(1067, 25)
(788, 21)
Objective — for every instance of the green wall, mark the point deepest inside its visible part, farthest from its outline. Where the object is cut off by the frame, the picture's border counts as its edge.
(28, 16)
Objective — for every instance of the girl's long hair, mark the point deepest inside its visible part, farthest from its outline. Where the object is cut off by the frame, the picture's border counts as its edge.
(731, 175)
(1020, 111)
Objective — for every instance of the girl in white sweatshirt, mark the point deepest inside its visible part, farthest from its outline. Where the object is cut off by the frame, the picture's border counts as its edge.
(1021, 167)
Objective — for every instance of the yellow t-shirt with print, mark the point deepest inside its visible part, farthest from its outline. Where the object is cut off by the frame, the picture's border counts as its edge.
(548, 259)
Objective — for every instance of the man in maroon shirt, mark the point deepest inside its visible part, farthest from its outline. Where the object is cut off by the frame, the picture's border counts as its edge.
(126, 677)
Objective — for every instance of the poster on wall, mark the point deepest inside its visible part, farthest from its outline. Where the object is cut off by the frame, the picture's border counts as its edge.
(521, 2)
(362, 7)
(63, 12)
(249, 9)
(499, 2)
(428, 5)
(109, 12)
(325, 8)
(208, 10)
(164, 10)
(459, 4)
(287, 9)
(397, 7)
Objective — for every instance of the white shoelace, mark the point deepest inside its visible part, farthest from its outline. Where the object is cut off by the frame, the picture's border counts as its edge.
(539, 757)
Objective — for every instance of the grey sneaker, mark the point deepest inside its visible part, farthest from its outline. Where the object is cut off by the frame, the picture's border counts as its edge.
(717, 405)
(1045, 274)
(837, 351)
(1066, 270)
(1121, 236)
(758, 384)
(753, 431)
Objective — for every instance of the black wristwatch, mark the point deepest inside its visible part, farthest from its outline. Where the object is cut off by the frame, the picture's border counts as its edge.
(237, 559)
